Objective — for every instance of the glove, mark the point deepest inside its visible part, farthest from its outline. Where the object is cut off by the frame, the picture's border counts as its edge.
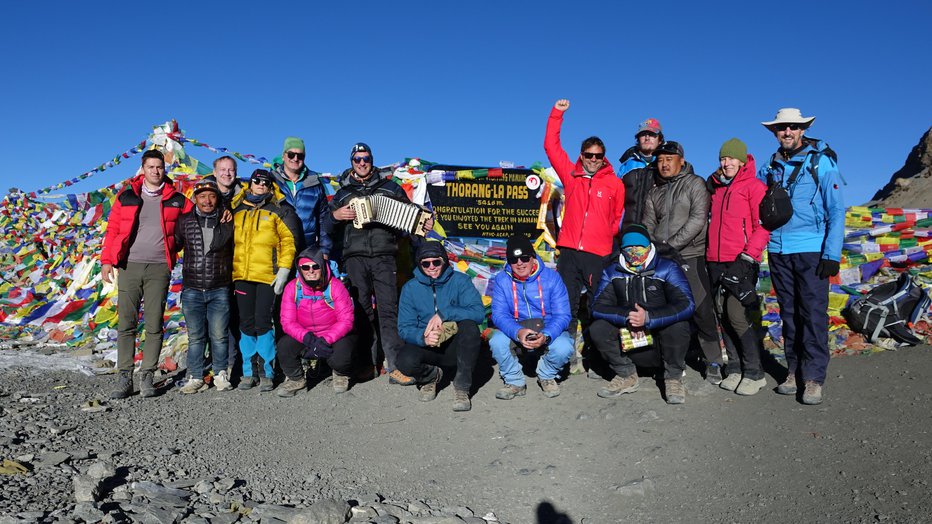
(740, 268)
(827, 268)
(281, 278)
(316, 347)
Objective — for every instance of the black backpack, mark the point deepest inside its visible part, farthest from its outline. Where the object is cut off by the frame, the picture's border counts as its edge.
(889, 310)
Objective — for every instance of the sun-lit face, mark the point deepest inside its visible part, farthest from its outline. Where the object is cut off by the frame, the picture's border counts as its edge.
(593, 158)
(206, 202)
(310, 270)
(362, 164)
(522, 266)
(669, 165)
(225, 173)
(432, 267)
(258, 187)
(294, 161)
(153, 172)
(730, 166)
(648, 142)
(790, 136)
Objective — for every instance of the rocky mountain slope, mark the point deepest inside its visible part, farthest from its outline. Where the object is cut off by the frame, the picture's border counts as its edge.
(911, 185)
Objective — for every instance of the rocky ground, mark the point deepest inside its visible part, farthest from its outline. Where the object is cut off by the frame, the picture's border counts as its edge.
(376, 454)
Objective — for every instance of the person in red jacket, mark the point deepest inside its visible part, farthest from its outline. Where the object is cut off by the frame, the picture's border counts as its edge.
(140, 241)
(594, 204)
(736, 241)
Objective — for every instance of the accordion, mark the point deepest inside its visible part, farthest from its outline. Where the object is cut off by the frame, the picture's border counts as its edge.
(385, 210)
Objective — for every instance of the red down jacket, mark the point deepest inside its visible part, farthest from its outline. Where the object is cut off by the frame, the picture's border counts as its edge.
(124, 219)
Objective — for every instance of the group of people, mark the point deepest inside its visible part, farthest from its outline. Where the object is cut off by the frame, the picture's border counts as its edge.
(659, 252)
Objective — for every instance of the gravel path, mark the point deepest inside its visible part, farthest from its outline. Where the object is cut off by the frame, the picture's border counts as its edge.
(376, 454)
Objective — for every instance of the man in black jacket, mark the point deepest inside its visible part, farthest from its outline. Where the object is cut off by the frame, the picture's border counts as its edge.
(207, 274)
(369, 254)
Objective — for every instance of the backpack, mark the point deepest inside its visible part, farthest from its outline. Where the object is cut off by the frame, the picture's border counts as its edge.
(776, 208)
(889, 310)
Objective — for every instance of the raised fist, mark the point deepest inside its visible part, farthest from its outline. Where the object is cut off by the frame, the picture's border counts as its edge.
(562, 104)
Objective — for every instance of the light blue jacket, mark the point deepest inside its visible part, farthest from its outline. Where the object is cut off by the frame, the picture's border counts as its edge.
(818, 222)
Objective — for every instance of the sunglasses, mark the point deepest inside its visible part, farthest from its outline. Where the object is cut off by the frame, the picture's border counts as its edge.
(791, 127)
(427, 263)
(362, 159)
(293, 154)
(590, 156)
(523, 258)
(262, 182)
(309, 267)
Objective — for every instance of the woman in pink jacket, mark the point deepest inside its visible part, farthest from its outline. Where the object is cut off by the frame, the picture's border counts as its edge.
(317, 317)
(733, 253)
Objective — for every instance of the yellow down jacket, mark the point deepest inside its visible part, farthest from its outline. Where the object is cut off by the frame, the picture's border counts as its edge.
(263, 239)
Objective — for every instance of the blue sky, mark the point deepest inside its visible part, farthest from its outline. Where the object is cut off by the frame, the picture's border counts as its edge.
(468, 83)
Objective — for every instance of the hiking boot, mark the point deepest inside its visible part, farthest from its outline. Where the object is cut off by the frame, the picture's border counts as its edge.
(399, 378)
(340, 383)
(812, 394)
(429, 390)
(509, 392)
(146, 388)
(731, 382)
(549, 386)
(247, 383)
(461, 400)
(676, 392)
(290, 387)
(713, 373)
(789, 385)
(193, 385)
(266, 385)
(750, 386)
(619, 385)
(124, 385)
(222, 382)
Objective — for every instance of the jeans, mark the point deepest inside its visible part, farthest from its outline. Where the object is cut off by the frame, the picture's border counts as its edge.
(556, 356)
(461, 352)
(803, 299)
(206, 314)
(135, 283)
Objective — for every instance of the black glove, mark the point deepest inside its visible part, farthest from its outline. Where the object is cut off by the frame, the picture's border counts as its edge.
(827, 268)
(740, 269)
(316, 347)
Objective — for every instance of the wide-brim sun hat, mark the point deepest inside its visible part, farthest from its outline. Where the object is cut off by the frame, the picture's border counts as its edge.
(790, 115)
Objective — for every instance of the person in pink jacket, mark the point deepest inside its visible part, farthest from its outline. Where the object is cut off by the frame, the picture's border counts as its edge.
(733, 252)
(317, 317)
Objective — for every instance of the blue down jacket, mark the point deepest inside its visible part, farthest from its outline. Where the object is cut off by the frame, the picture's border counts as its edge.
(660, 288)
(513, 298)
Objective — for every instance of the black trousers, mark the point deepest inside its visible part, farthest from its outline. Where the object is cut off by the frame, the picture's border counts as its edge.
(742, 345)
(704, 318)
(290, 352)
(673, 342)
(254, 301)
(377, 277)
(460, 352)
(579, 270)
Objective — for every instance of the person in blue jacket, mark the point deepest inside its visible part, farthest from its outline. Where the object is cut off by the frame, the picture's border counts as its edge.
(531, 311)
(805, 251)
(304, 191)
(438, 319)
(648, 296)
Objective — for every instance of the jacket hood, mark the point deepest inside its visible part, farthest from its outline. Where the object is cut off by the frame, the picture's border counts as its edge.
(632, 152)
(748, 171)
(317, 256)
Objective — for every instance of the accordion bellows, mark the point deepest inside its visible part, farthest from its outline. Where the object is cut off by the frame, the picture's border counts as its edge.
(382, 209)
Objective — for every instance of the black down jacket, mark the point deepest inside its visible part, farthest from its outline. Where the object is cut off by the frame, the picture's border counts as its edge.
(205, 267)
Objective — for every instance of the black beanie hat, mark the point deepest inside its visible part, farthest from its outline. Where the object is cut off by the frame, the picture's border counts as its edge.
(517, 246)
(362, 147)
(432, 249)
